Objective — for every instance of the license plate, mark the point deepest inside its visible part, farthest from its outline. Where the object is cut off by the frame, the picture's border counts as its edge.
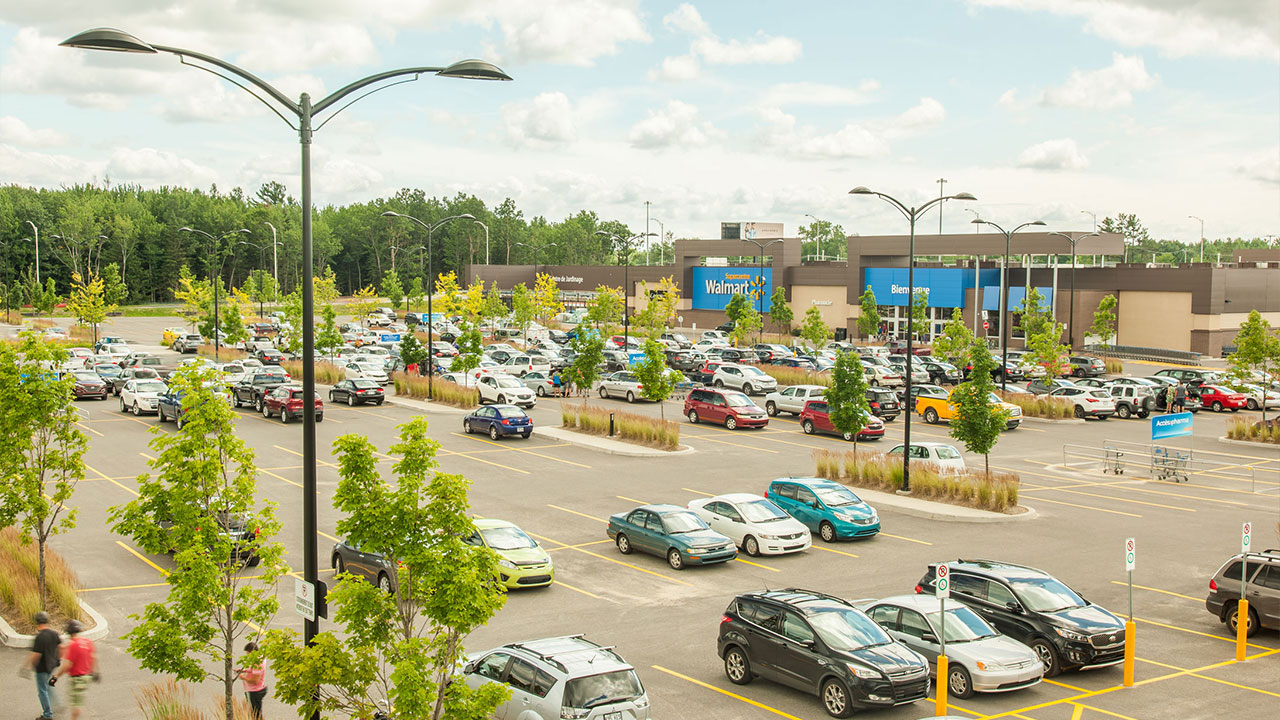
(613, 716)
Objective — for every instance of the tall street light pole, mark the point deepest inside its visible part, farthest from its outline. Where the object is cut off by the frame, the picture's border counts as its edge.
(430, 284)
(261, 261)
(942, 183)
(1004, 297)
(275, 255)
(36, 230)
(760, 248)
(215, 273)
(662, 237)
(1071, 313)
(626, 281)
(911, 214)
(486, 241)
(304, 112)
(1193, 217)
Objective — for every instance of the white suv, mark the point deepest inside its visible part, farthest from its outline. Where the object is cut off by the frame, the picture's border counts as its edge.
(792, 399)
(747, 378)
(505, 390)
(562, 677)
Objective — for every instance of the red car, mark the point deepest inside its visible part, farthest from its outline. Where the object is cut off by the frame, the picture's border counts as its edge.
(286, 401)
(1219, 398)
(729, 407)
(815, 418)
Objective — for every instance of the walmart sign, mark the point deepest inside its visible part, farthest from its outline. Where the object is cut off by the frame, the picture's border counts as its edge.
(713, 286)
(945, 287)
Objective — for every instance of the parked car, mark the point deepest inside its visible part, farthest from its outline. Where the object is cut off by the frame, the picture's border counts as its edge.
(884, 404)
(979, 657)
(523, 562)
(924, 390)
(615, 360)
(936, 409)
(1088, 402)
(373, 567)
(816, 418)
(1086, 366)
(170, 334)
(803, 363)
(822, 645)
(367, 369)
(882, 375)
(498, 421)
(1262, 591)
(1160, 393)
(827, 508)
(357, 392)
(1258, 397)
(622, 384)
(564, 677)
(1038, 610)
(520, 364)
(755, 524)
(141, 396)
(685, 360)
(1045, 386)
(106, 341)
(792, 399)
(504, 389)
(946, 457)
(116, 384)
(187, 343)
(540, 383)
(747, 378)
(1192, 377)
(680, 339)
(1220, 398)
(1130, 400)
(706, 373)
(729, 407)
(941, 372)
(919, 374)
(287, 401)
(88, 384)
(772, 351)
(107, 371)
(672, 532)
(719, 334)
(253, 388)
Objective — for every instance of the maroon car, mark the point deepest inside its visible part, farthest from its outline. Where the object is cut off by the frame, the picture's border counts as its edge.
(88, 385)
(816, 418)
(286, 401)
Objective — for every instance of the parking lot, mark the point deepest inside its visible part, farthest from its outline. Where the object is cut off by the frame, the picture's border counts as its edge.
(665, 622)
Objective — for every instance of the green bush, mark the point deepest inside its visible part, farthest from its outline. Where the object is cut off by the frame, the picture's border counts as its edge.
(1241, 429)
(642, 429)
(877, 471)
(446, 392)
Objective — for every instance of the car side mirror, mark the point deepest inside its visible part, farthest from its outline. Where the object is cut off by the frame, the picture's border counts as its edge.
(468, 668)
(1013, 607)
(816, 505)
(929, 638)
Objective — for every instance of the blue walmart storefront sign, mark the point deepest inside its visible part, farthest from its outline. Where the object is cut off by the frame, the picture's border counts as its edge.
(945, 287)
(714, 286)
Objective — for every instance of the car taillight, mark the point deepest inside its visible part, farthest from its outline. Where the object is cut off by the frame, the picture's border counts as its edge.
(725, 618)
(875, 405)
(506, 421)
(1213, 584)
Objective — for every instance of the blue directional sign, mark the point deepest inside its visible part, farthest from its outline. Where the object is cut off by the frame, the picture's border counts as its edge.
(1167, 426)
(390, 337)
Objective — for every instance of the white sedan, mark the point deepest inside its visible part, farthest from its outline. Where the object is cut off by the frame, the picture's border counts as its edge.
(754, 523)
(945, 456)
(367, 370)
(141, 396)
(792, 399)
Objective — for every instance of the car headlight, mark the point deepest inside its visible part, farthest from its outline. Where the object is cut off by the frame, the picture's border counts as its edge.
(769, 537)
(1071, 635)
(506, 563)
(696, 551)
(865, 673)
(989, 666)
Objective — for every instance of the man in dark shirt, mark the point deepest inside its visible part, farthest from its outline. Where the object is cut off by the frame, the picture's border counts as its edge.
(44, 660)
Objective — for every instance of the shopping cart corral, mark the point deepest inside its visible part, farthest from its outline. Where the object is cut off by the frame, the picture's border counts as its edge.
(1172, 464)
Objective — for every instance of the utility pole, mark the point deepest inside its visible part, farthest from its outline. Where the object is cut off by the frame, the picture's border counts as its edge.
(646, 232)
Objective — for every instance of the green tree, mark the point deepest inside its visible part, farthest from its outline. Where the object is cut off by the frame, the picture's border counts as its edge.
(327, 338)
(363, 302)
(205, 480)
(87, 302)
(42, 457)
(920, 312)
(115, 292)
(656, 379)
(392, 290)
(1047, 348)
(814, 329)
(522, 309)
(588, 344)
(659, 309)
(869, 318)
(1034, 314)
(737, 306)
(493, 309)
(1104, 320)
(546, 298)
(260, 288)
(233, 323)
(847, 397)
(780, 310)
(413, 351)
(1257, 351)
(1127, 224)
(822, 238)
(748, 323)
(414, 294)
(403, 647)
(604, 311)
(978, 420)
(45, 299)
(953, 343)
(195, 296)
(470, 347)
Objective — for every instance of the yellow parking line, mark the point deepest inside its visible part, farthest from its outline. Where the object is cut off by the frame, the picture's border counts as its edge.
(1062, 684)
(523, 450)
(735, 696)
(1197, 632)
(124, 587)
(838, 552)
(1034, 488)
(612, 560)
(631, 499)
(279, 477)
(899, 537)
(697, 492)
(118, 484)
(470, 456)
(295, 452)
(1193, 673)
(327, 535)
(1166, 592)
(580, 590)
(756, 564)
(1104, 712)
(1075, 714)
(143, 558)
(709, 438)
(578, 545)
(1087, 507)
(575, 512)
(86, 427)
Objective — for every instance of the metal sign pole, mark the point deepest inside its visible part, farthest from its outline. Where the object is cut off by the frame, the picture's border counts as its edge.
(1242, 608)
(942, 589)
(1130, 630)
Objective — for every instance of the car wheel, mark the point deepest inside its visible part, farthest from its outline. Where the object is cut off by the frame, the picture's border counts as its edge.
(178, 421)
(624, 544)
(123, 408)
(835, 699)
(751, 546)
(493, 432)
(262, 408)
(339, 567)
(1252, 404)
(693, 417)
(771, 408)
(384, 583)
(603, 393)
(1217, 406)
(351, 400)
(137, 411)
(807, 426)
(1143, 414)
(958, 681)
(526, 434)
(731, 423)
(675, 559)
(284, 416)
(466, 426)
(931, 416)
(749, 389)
(1233, 618)
(1048, 656)
(502, 399)
(1079, 412)
(847, 436)
(737, 667)
(718, 383)
(253, 561)
(827, 531)
(1122, 412)
(541, 391)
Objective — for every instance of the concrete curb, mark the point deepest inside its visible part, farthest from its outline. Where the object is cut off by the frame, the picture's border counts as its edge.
(606, 445)
(1248, 443)
(12, 638)
(1048, 421)
(931, 510)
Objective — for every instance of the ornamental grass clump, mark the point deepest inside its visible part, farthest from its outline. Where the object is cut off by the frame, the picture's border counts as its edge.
(878, 471)
(632, 427)
(446, 392)
(796, 376)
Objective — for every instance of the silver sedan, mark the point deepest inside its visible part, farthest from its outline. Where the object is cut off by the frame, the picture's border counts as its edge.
(622, 384)
(539, 382)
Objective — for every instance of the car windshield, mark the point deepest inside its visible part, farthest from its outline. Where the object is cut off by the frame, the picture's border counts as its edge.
(962, 624)
(761, 511)
(513, 412)
(682, 522)
(946, 452)
(154, 387)
(1046, 594)
(845, 629)
(738, 400)
(369, 365)
(509, 382)
(838, 497)
(593, 690)
(507, 538)
(748, 370)
(364, 384)
(994, 399)
(86, 375)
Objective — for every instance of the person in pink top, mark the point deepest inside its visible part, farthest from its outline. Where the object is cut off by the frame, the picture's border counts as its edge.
(78, 661)
(254, 678)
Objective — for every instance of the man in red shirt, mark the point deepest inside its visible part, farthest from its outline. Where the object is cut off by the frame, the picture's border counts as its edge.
(78, 660)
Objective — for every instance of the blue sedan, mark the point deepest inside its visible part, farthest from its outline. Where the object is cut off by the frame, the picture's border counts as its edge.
(672, 532)
(499, 420)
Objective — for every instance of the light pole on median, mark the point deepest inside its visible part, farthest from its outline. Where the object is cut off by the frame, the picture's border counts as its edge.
(431, 353)
(625, 244)
(261, 261)
(760, 247)
(1004, 297)
(486, 240)
(1193, 217)
(911, 214)
(275, 255)
(304, 111)
(1071, 312)
(215, 274)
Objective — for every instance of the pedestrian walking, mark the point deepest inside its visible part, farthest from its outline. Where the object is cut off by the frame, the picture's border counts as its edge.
(44, 660)
(79, 660)
(1180, 397)
(557, 384)
(1170, 399)
(254, 678)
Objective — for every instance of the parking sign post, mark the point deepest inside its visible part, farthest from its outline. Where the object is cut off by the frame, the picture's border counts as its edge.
(942, 589)
(1242, 609)
(1130, 559)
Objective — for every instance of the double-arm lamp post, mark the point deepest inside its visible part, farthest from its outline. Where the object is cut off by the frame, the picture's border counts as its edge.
(215, 273)
(911, 214)
(625, 244)
(760, 246)
(1071, 311)
(430, 285)
(304, 112)
(1004, 295)
(262, 253)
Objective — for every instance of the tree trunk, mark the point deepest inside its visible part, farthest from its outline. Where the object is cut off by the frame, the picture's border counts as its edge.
(43, 595)
(986, 461)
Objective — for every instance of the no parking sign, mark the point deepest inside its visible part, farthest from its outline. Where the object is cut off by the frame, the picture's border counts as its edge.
(942, 586)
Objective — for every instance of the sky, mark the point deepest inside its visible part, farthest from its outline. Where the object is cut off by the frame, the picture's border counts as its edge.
(710, 111)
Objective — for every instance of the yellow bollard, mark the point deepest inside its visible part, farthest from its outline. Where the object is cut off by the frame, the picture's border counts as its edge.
(1129, 631)
(942, 686)
(1242, 628)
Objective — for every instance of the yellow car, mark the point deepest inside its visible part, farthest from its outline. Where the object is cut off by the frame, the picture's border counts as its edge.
(936, 409)
(171, 334)
(523, 561)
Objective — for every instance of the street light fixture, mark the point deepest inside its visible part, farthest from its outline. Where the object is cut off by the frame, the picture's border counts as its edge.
(626, 281)
(1071, 313)
(215, 274)
(1193, 217)
(760, 272)
(911, 214)
(1004, 296)
(430, 285)
(116, 40)
(486, 239)
(275, 255)
(262, 249)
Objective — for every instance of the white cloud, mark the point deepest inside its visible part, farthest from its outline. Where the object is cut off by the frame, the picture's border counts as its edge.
(677, 68)
(708, 47)
(17, 132)
(812, 93)
(866, 139)
(1060, 154)
(1105, 89)
(677, 125)
(151, 168)
(1263, 167)
(567, 32)
(1009, 99)
(924, 115)
(686, 18)
(38, 169)
(547, 119)
(1178, 28)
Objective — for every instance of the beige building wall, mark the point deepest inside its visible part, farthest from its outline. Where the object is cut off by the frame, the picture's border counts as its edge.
(830, 301)
(1230, 321)
(1154, 319)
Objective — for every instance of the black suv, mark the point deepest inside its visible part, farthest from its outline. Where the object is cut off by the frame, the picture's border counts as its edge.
(253, 388)
(884, 404)
(1038, 610)
(822, 645)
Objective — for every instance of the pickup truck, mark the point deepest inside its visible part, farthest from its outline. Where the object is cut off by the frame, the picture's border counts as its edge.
(251, 390)
(936, 409)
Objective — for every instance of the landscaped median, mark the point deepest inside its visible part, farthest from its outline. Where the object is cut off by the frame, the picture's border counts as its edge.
(877, 471)
(443, 391)
(628, 426)
(796, 376)
(20, 593)
(1041, 406)
(1258, 432)
(326, 372)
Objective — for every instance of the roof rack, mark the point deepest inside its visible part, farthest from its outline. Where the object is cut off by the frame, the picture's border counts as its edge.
(551, 657)
(814, 592)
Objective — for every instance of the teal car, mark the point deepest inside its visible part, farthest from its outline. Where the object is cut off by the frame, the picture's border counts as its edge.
(827, 508)
(672, 532)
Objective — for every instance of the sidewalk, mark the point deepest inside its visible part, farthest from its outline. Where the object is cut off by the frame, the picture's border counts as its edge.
(946, 512)
(607, 445)
(422, 405)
